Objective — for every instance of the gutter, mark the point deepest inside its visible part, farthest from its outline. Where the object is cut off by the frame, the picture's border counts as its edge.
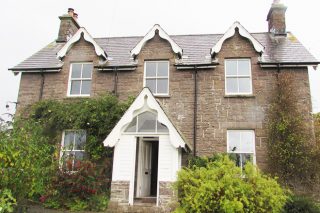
(118, 68)
(46, 69)
(192, 66)
(287, 64)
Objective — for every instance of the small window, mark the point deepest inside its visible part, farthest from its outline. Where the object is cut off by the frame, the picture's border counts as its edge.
(241, 146)
(146, 122)
(238, 77)
(156, 77)
(80, 79)
(72, 149)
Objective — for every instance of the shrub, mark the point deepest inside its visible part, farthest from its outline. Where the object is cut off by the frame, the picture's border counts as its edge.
(7, 201)
(220, 186)
(26, 162)
(83, 189)
(299, 204)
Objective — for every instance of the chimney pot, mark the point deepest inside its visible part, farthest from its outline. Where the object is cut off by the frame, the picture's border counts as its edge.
(75, 15)
(70, 12)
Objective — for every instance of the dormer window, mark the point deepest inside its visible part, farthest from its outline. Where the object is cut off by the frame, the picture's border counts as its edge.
(80, 79)
(156, 77)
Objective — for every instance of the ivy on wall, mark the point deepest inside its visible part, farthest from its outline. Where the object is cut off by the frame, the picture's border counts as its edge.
(292, 152)
(96, 115)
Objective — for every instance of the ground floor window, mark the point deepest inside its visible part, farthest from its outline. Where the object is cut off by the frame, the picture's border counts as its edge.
(241, 146)
(72, 150)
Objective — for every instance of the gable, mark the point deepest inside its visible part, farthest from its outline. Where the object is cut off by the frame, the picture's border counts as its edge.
(145, 100)
(156, 29)
(231, 32)
(82, 32)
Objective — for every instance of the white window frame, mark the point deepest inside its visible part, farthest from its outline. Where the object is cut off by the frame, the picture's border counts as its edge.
(62, 150)
(157, 77)
(237, 76)
(78, 79)
(243, 152)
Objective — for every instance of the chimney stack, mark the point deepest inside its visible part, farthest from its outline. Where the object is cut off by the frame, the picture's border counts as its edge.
(68, 25)
(277, 19)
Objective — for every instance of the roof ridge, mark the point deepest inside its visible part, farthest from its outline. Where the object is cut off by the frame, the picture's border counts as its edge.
(197, 34)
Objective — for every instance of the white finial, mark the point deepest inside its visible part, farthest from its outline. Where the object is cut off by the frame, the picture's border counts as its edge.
(276, 1)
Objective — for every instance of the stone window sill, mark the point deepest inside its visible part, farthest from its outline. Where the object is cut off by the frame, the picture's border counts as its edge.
(239, 96)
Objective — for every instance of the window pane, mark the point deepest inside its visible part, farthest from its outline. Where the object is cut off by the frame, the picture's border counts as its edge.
(75, 87)
(151, 69)
(86, 70)
(151, 83)
(231, 67)
(247, 142)
(245, 158)
(132, 126)
(147, 122)
(68, 140)
(76, 71)
(232, 85)
(244, 85)
(233, 141)
(162, 86)
(163, 69)
(86, 87)
(243, 67)
(80, 140)
(161, 127)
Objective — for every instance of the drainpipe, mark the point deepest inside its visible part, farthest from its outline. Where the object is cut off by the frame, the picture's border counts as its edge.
(41, 86)
(115, 70)
(195, 109)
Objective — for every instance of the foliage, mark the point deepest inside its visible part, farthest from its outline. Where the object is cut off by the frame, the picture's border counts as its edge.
(289, 139)
(95, 115)
(29, 154)
(7, 201)
(220, 186)
(316, 118)
(26, 163)
(299, 204)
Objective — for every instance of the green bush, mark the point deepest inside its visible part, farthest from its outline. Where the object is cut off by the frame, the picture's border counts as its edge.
(300, 204)
(7, 201)
(26, 162)
(220, 186)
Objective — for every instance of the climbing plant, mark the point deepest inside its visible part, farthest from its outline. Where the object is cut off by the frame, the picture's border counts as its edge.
(29, 154)
(291, 148)
(95, 115)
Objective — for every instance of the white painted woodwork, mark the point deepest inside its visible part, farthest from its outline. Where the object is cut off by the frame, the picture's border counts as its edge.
(175, 47)
(124, 159)
(243, 32)
(76, 37)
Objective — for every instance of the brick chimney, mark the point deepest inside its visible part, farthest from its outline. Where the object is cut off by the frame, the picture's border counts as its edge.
(68, 25)
(277, 19)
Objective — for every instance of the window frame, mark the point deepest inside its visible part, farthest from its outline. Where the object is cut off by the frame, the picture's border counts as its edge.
(78, 79)
(62, 150)
(242, 152)
(156, 77)
(238, 76)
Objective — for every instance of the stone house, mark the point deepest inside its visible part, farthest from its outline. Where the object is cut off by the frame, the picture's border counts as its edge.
(195, 94)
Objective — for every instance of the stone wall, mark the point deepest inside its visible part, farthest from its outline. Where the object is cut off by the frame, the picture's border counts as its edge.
(120, 192)
(216, 112)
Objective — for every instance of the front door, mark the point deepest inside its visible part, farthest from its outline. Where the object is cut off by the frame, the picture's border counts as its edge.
(146, 166)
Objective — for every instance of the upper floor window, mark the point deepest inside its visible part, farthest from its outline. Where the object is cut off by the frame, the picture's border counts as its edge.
(238, 77)
(156, 77)
(241, 146)
(72, 149)
(80, 79)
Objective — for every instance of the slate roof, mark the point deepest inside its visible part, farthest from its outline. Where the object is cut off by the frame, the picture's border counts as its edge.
(196, 50)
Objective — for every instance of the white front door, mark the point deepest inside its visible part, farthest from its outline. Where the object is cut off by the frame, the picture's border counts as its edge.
(144, 168)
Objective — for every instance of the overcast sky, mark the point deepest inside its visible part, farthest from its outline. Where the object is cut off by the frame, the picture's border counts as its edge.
(28, 26)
